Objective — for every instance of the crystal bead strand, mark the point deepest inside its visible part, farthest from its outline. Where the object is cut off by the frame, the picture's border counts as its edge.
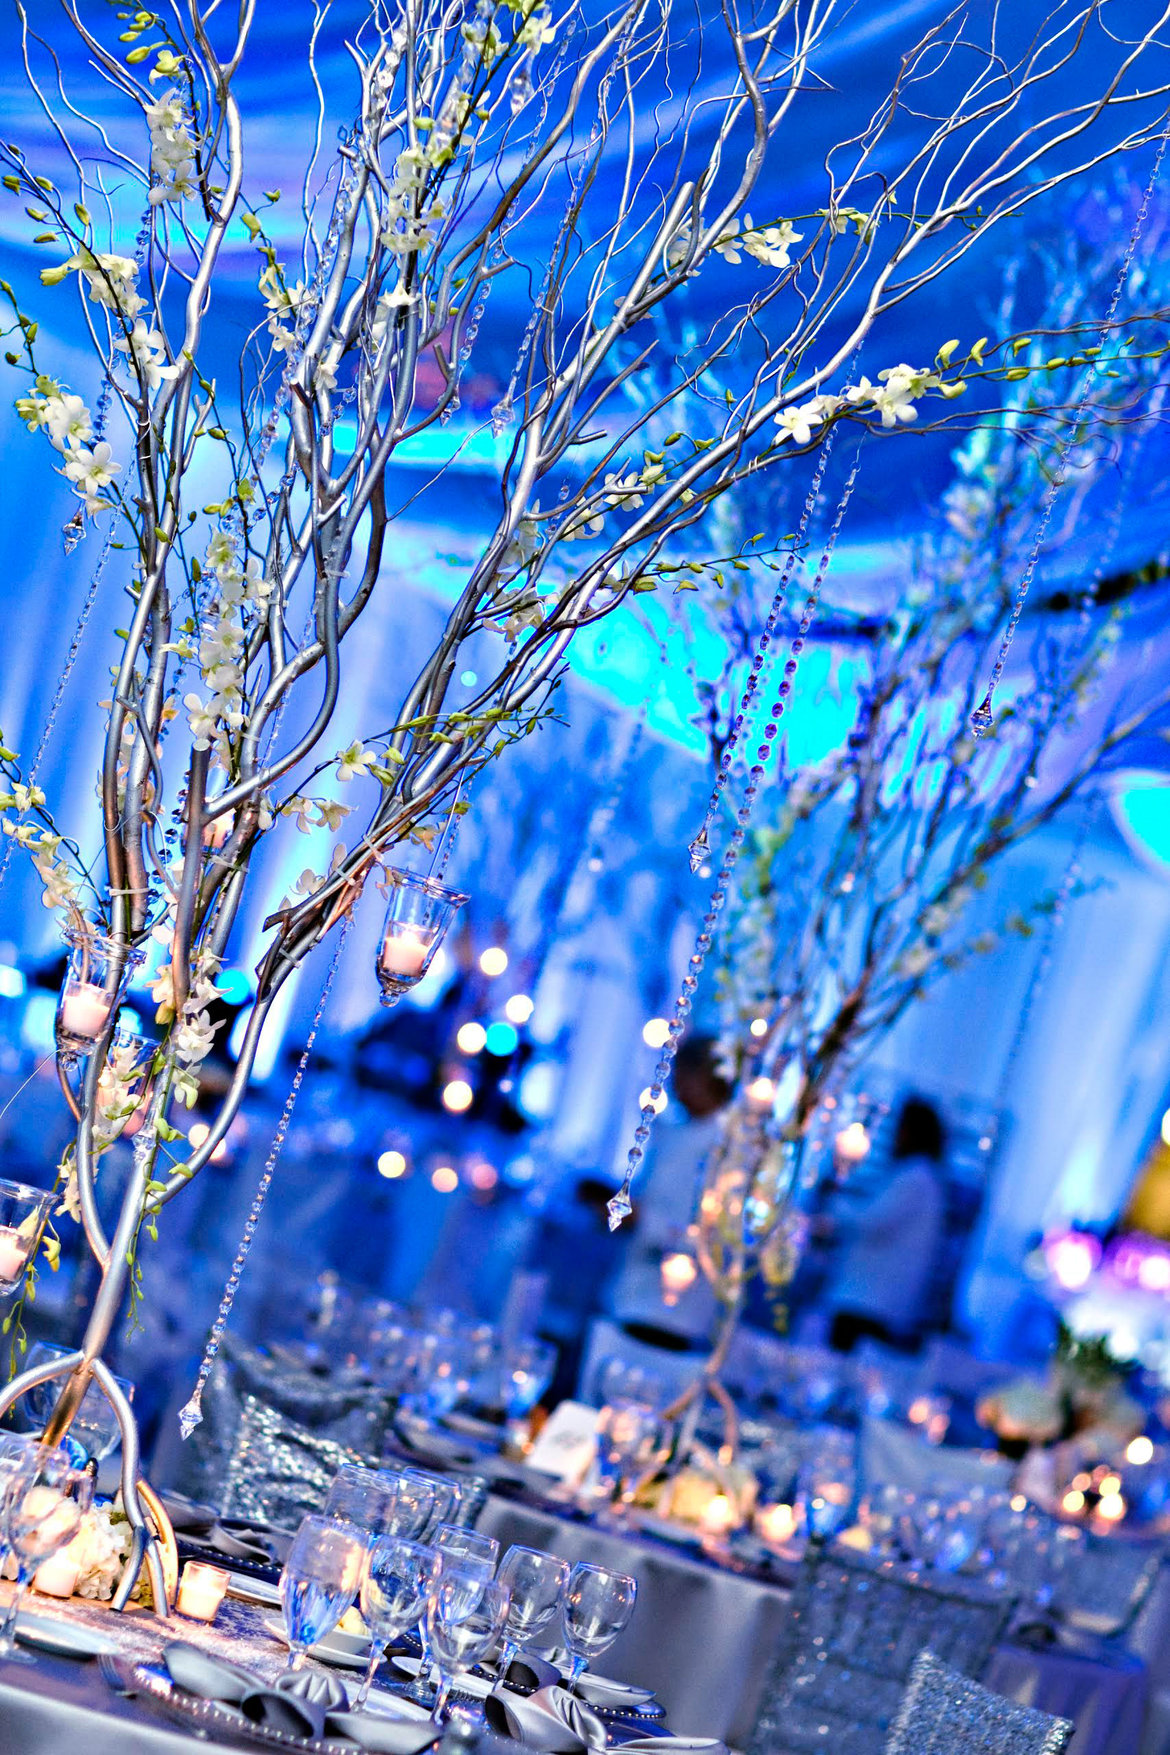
(983, 716)
(62, 683)
(192, 1413)
(1040, 967)
(503, 411)
(621, 1206)
(700, 848)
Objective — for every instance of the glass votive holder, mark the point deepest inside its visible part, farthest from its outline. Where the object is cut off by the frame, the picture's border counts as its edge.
(92, 989)
(418, 914)
(23, 1213)
(202, 1589)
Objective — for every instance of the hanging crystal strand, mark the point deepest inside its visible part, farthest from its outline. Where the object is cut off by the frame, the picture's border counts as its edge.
(1040, 968)
(192, 1412)
(983, 716)
(502, 413)
(700, 848)
(30, 778)
(621, 1206)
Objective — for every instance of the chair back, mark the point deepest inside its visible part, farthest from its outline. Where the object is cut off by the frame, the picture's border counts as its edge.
(279, 1470)
(895, 1454)
(944, 1712)
(1104, 1588)
(854, 1629)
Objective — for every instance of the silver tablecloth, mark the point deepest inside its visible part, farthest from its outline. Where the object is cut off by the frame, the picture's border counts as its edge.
(704, 1640)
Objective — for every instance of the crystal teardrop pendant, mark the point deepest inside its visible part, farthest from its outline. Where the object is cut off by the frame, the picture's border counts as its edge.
(619, 1208)
(983, 718)
(699, 850)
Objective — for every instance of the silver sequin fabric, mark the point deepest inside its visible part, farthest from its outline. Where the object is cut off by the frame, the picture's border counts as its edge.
(945, 1713)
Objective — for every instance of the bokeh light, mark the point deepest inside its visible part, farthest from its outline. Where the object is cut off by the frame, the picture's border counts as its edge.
(457, 1096)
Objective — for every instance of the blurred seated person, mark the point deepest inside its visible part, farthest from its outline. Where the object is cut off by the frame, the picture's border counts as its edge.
(889, 1240)
(665, 1197)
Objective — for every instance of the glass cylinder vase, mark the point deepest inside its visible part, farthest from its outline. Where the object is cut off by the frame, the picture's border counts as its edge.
(96, 975)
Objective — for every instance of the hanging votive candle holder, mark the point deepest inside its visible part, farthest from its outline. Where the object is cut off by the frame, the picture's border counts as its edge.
(23, 1214)
(91, 991)
(420, 911)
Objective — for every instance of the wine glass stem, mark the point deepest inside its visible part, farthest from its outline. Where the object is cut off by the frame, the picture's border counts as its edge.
(508, 1650)
(576, 1671)
(368, 1681)
(440, 1706)
(8, 1625)
(297, 1654)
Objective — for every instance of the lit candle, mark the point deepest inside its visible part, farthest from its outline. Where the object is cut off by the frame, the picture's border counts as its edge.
(201, 1591)
(57, 1576)
(13, 1254)
(720, 1516)
(678, 1276)
(403, 953)
(776, 1524)
(84, 1011)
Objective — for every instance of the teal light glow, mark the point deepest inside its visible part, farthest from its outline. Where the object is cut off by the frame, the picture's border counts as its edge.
(1141, 808)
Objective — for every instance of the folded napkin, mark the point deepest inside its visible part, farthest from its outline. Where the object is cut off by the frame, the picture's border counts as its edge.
(302, 1703)
(235, 1537)
(527, 1672)
(551, 1719)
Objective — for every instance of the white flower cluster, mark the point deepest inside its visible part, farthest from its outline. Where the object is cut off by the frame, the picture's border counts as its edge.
(101, 1548)
(194, 1033)
(172, 149)
(618, 492)
(283, 302)
(67, 423)
(147, 347)
(222, 640)
(59, 886)
(410, 221)
(894, 397)
(769, 244)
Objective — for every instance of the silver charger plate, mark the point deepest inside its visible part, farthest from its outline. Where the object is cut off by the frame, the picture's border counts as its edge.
(62, 1638)
(212, 1716)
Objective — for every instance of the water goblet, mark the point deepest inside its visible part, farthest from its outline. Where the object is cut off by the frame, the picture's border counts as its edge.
(94, 1430)
(628, 1436)
(467, 1549)
(44, 1500)
(320, 1581)
(536, 1584)
(461, 1632)
(442, 1503)
(398, 1578)
(367, 1498)
(597, 1606)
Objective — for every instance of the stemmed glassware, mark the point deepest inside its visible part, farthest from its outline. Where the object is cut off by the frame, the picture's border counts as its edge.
(525, 1372)
(44, 1500)
(464, 1619)
(629, 1434)
(473, 1558)
(536, 1584)
(398, 1578)
(367, 1498)
(320, 1581)
(597, 1606)
(94, 1430)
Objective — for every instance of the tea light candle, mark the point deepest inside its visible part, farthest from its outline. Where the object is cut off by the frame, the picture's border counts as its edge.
(403, 953)
(84, 1011)
(57, 1576)
(201, 1591)
(776, 1524)
(720, 1516)
(13, 1254)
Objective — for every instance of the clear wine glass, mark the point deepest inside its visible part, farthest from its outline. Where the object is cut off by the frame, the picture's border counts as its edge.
(320, 1581)
(398, 1578)
(445, 1496)
(44, 1500)
(536, 1584)
(628, 1436)
(461, 1633)
(467, 1549)
(367, 1498)
(597, 1606)
(94, 1428)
